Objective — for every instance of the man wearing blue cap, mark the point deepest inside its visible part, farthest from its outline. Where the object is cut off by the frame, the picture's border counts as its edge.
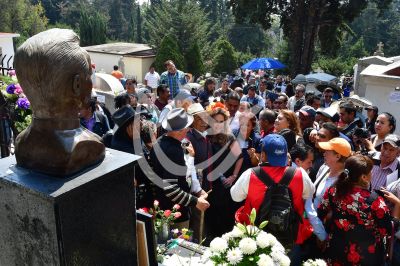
(252, 184)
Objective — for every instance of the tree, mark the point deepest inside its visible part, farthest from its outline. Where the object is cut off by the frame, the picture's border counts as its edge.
(138, 25)
(169, 50)
(302, 22)
(118, 25)
(184, 21)
(92, 29)
(22, 17)
(194, 60)
(246, 36)
(225, 58)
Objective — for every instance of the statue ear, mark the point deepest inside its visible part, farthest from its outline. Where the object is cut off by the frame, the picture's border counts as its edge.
(76, 88)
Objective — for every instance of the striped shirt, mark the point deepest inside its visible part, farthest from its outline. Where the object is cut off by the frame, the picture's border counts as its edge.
(379, 175)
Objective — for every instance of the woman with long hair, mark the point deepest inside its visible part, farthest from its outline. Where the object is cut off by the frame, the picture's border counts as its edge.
(226, 162)
(357, 222)
(287, 124)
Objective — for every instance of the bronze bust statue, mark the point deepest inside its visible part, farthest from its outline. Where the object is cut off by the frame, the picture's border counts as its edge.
(54, 72)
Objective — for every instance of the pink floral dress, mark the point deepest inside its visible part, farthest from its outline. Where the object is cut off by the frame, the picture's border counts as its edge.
(355, 229)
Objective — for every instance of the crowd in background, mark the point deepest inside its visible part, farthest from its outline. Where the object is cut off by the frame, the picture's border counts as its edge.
(199, 144)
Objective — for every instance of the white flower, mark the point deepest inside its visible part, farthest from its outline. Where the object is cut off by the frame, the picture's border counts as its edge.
(206, 255)
(265, 260)
(279, 257)
(227, 236)
(247, 245)
(234, 256)
(265, 240)
(218, 245)
(317, 262)
(236, 232)
(251, 229)
(277, 247)
(320, 262)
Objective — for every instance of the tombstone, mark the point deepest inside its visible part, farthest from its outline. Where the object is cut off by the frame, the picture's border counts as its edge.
(107, 87)
(382, 87)
(363, 63)
(64, 199)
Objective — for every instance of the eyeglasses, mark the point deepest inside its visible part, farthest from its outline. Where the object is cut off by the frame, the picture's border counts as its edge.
(278, 102)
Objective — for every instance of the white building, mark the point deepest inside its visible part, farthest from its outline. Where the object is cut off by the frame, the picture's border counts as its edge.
(383, 88)
(7, 49)
(133, 59)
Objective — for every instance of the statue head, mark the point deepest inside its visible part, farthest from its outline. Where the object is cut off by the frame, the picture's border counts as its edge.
(55, 73)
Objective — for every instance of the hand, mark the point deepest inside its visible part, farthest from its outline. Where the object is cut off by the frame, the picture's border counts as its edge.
(313, 135)
(368, 144)
(251, 152)
(229, 181)
(190, 149)
(390, 196)
(202, 194)
(202, 204)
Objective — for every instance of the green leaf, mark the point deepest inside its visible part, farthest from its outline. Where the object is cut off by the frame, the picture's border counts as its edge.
(263, 224)
(241, 227)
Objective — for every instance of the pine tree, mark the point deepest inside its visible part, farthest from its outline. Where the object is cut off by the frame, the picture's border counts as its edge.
(138, 25)
(92, 28)
(225, 58)
(194, 60)
(169, 50)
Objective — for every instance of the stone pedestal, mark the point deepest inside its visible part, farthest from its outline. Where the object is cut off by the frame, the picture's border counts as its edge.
(87, 219)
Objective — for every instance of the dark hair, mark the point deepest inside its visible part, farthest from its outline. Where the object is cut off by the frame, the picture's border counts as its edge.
(349, 108)
(391, 119)
(252, 87)
(121, 100)
(332, 128)
(355, 166)
(267, 115)
(312, 98)
(161, 88)
(115, 67)
(92, 105)
(208, 82)
(290, 137)
(233, 96)
(168, 62)
(299, 151)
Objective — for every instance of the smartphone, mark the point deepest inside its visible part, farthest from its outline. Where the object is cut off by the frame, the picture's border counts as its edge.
(379, 192)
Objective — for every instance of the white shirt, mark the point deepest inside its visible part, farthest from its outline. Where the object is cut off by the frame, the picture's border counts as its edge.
(191, 171)
(240, 189)
(324, 183)
(292, 102)
(152, 79)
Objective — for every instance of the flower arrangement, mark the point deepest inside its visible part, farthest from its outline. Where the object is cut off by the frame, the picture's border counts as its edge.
(317, 262)
(17, 103)
(162, 217)
(185, 234)
(247, 245)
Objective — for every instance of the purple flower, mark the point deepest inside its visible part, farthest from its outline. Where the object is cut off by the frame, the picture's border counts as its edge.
(23, 103)
(10, 88)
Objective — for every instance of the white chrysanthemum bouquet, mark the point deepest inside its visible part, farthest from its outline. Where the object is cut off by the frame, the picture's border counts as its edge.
(247, 245)
(317, 262)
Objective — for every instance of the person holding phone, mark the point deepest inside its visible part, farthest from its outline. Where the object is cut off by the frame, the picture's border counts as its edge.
(356, 220)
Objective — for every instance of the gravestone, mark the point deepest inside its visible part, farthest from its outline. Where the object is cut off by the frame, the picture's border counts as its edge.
(85, 219)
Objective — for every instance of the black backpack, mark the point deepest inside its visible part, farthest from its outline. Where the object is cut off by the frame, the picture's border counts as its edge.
(277, 207)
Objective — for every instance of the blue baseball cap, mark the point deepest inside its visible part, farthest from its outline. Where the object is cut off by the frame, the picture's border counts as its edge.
(275, 147)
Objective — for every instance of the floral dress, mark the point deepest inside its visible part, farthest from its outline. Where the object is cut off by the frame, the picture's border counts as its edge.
(356, 229)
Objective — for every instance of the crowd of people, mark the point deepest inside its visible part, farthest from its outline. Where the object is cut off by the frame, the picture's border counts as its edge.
(218, 152)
